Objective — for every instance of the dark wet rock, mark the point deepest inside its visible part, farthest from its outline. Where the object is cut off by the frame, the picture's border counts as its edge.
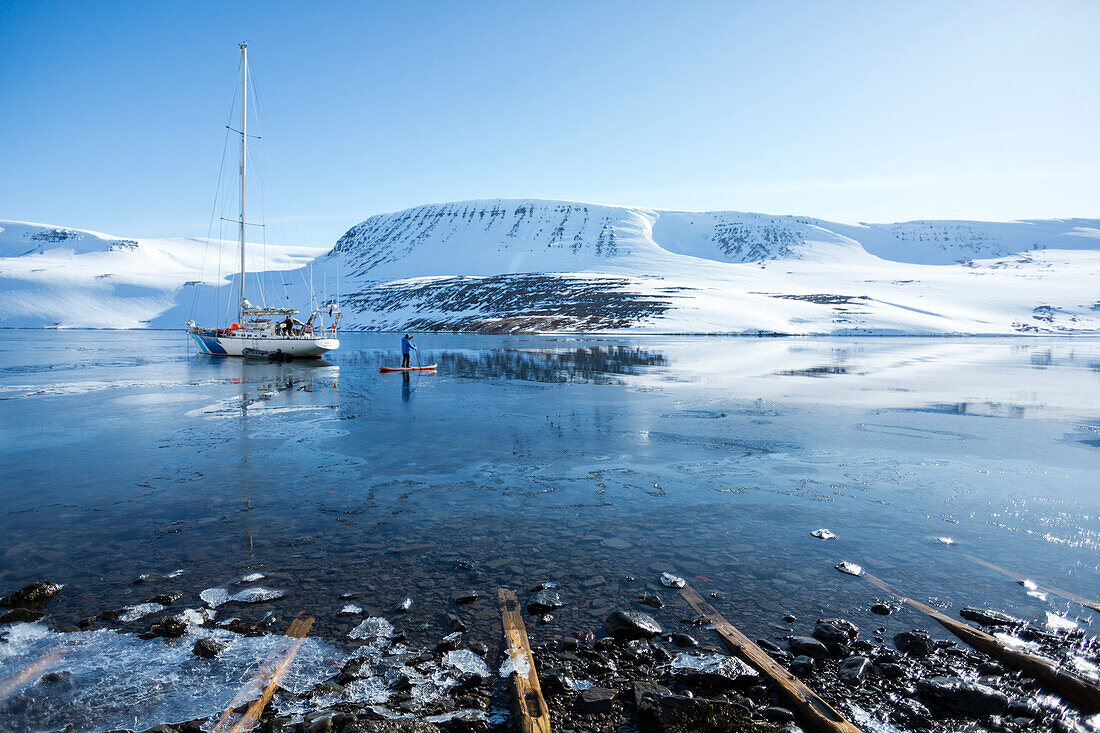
(208, 648)
(544, 585)
(808, 646)
(790, 618)
(172, 627)
(479, 648)
(911, 713)
(651, 599)
(802, 666)
(404, 725)
(882, 609)
(632, 625)
(963, 696)
(853, 670)
(466, 598)
(56, 679)
(544, 602)
(450, 642)
(989, 617)
(32, 596)
(890, 670)
(777, 714)
(162, 728)
(454, 623)
(21, 615)
(768, 646)
(685, 641)
(596, 700)
(915, 643)
(829, 634)
(843, 624)
(164, 599)
(666, 713)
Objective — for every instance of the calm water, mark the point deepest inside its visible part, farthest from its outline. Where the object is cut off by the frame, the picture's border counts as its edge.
(595, 462)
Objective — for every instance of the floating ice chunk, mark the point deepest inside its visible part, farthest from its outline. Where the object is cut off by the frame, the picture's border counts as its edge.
(849, 567)
(467, 716)
(669, 580)
(374, 627)
(175, 573)
(823, 534)
(1029, 584)
(193, 617)
(577, 685)
(1015, 642)
(945, 540)
(214, 597)
(466, 661)
(351, 608)
(253, 577)
(256, 594)
(516, 664)
(1059, 623)
(1037, 594)
(711, 666)
(1085, 668)
(133, 613)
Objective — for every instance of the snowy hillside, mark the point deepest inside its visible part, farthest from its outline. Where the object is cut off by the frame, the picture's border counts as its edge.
(505, 265)
(530, 265)
(53, 276)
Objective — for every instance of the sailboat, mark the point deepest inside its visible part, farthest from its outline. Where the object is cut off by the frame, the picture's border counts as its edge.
(259, 331)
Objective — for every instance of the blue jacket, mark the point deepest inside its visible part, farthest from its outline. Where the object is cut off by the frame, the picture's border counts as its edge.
(406, 345)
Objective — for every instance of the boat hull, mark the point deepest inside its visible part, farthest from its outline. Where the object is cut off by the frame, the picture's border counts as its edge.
(298, 348)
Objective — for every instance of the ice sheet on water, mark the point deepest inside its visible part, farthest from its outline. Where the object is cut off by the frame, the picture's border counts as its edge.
(256, 594)
(121, 681)
(467, 662)
(253, 577)
(214, 597)
(516, 663)
(133, 613)
(1060, 623)
(374, 627)
(823, 534)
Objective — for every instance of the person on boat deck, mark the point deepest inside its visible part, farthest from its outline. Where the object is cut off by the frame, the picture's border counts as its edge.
(406, 347)
(288, 326)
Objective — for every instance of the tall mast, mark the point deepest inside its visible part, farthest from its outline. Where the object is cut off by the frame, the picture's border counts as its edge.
(244, 151)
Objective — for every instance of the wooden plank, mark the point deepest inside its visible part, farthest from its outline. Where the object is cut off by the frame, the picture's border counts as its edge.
(528, 704)
(1094, 605)
(1046, 671)
(814, 712)
(271, 674)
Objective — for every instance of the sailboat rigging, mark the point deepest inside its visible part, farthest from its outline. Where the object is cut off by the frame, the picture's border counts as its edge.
(258, 332)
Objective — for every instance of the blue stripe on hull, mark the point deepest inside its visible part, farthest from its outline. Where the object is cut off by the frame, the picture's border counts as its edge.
(209, 345)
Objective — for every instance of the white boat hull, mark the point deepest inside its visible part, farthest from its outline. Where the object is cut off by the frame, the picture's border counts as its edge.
(298, 348)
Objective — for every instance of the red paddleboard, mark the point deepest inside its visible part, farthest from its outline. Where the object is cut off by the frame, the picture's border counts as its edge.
(430, 367)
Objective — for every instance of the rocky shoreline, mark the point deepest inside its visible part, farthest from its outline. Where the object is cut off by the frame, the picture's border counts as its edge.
(634, 673)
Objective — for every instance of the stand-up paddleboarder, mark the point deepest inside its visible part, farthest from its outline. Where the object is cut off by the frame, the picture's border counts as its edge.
(406, 349)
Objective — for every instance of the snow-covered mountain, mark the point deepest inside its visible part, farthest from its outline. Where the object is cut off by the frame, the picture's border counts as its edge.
(502, 265)
(55, 276)
(528, 265)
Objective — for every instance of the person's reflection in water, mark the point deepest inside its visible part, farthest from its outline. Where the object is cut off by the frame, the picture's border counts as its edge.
(406, 387)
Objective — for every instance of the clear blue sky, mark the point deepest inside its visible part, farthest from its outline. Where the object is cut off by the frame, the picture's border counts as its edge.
(112, 114)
